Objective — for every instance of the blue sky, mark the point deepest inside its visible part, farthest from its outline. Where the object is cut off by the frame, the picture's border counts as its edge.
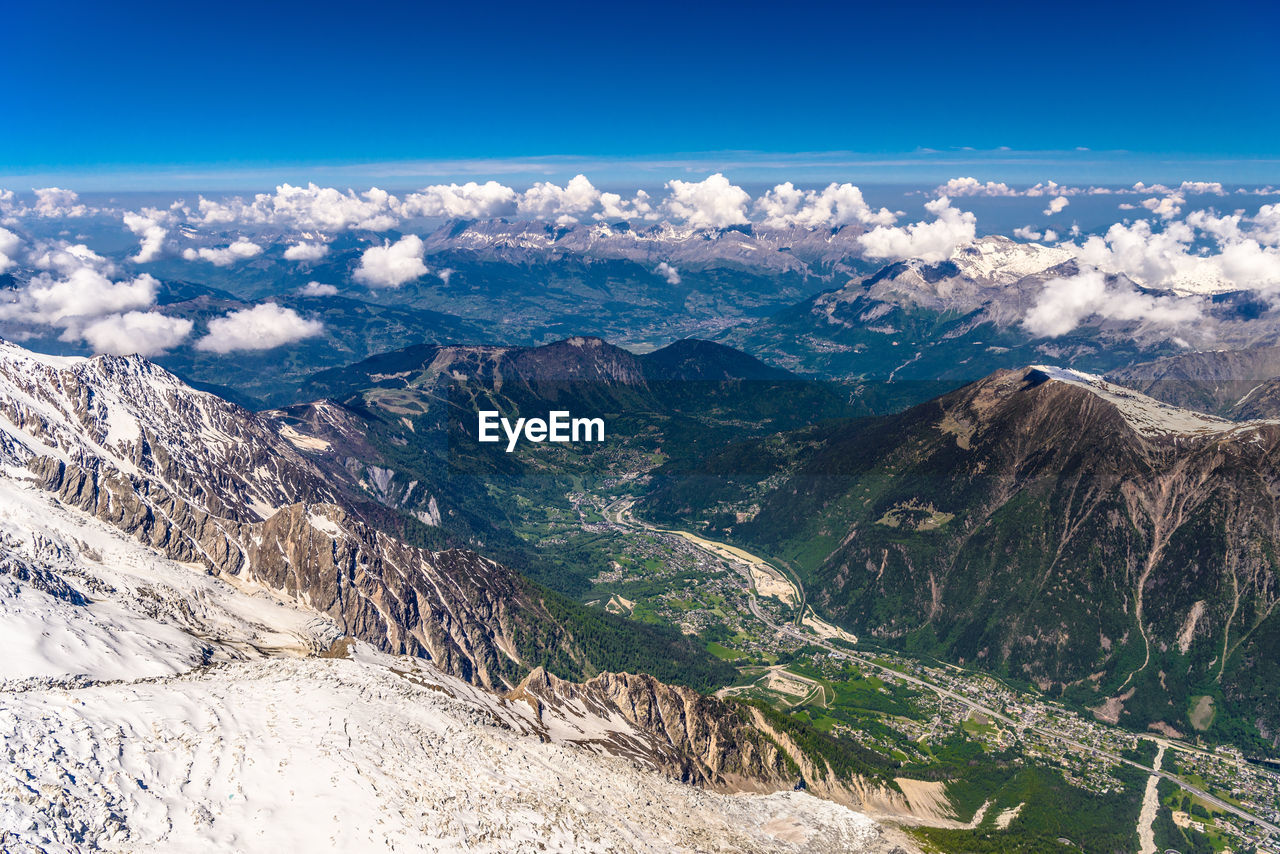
(120, 95)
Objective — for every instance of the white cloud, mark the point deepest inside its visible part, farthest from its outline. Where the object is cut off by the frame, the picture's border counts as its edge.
(54, 202)
(328, 209)
(228, 212)
(1050, 188)
(71, 301)
(1222, 228)
(303, 251)
(1203, 188)
(839, 204)
(392, 264)
(76, 295)
(1266, 225)
(928, 241)
(1026, 232)
(262, 327)
(668, 272)
(147, 333)
(1056, 205)
(65, 258)
(1065, 303)
(614, 207)
(317, 289)
(462, 201)
(149, 225)
(1151, 258)
(1166, 207)
(565, 204)
(1166, 258)
(9, 243)
(710, 203)
(308, 208)
(958, 187)
(224, 257)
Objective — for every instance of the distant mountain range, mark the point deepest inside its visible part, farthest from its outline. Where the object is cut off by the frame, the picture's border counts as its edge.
(805, 300)
(1240, 384)
(959, 320)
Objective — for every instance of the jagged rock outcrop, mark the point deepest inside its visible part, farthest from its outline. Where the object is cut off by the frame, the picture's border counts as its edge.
(697, 739)
(204, 481)
(706, 741)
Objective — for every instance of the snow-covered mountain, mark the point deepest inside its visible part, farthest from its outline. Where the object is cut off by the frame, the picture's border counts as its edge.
(207, 482)
(148, 706)
(993, 305)
(208, 649)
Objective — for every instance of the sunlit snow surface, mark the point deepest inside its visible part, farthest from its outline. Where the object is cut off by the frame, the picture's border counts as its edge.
(316, 754)
(168, 710)
(1145, 414)
(146, 615)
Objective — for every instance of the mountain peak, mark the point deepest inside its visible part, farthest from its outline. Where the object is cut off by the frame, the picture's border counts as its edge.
(1148, 416)
(696, 359)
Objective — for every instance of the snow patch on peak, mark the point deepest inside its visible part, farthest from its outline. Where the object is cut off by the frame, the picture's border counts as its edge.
(1147, 415)
(1002, 260)
(10, 351)
(324, 524)
(126, 414)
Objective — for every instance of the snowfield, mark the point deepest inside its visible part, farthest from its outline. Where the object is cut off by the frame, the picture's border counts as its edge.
(1147, 415)
(145, 615)
(146, 705)
(347, 755)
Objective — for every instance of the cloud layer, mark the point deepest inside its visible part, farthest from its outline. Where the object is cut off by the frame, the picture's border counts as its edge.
(932, 241)
(224, 256)
(262, 327)
(1068, 302)
(146, 333)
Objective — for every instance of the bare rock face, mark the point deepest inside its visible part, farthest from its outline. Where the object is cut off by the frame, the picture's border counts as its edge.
(128, 415)
(696, 739)
(822, 780)
(204, 481)
(708, 742)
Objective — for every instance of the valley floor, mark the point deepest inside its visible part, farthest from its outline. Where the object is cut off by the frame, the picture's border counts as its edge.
(915, 712)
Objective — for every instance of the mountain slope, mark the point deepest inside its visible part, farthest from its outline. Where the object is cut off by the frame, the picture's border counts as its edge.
(1233, 383)
(147, 705)
(185, 657)
(1039, 523)
(207, 482)
(413, 414)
